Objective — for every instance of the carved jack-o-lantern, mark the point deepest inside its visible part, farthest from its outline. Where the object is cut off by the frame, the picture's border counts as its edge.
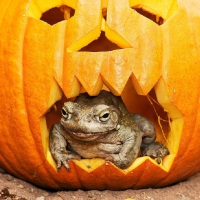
(147, 52)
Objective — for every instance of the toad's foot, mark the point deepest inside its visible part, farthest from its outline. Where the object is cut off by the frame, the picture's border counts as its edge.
(156, 150)
(118, 159)
(63, 157)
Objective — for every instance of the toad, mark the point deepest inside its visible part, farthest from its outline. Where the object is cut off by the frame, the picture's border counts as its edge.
(102, 127)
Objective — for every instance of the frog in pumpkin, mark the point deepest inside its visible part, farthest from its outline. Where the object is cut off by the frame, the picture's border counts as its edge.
(102, 127)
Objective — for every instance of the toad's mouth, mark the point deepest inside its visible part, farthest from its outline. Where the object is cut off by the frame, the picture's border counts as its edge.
(87, 136)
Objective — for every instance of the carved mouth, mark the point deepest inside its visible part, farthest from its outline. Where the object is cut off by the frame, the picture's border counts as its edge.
(166, 123)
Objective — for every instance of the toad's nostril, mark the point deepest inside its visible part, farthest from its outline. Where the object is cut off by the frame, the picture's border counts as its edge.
(88, 118)
(76, 119)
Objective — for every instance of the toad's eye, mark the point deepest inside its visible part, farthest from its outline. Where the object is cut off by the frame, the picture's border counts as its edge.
(104, 116)
(65, 114)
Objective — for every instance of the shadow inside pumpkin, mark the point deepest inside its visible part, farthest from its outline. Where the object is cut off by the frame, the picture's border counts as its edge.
(101, 127)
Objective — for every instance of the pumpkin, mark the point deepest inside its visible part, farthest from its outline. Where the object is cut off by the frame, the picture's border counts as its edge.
(146, 51)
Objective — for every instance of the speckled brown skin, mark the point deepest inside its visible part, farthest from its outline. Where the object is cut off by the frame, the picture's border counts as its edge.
(102, 127)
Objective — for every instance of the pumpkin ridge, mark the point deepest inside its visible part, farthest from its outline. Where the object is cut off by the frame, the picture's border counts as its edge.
(138, 180)
(77, 174)
(33, 119)
(58, 68)
(5, 9)
(17, 63)
(11, 167)
(76, 171)
(78, 36)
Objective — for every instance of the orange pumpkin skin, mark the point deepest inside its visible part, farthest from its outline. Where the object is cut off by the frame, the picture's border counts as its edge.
(38, 62)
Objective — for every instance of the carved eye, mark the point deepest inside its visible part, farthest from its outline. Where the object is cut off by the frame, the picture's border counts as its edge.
(65, 114)
(104, 116)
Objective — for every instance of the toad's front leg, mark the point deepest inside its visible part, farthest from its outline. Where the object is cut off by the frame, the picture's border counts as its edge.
(149, 147)
(156, 150)
(129, 151)
(58, 149)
